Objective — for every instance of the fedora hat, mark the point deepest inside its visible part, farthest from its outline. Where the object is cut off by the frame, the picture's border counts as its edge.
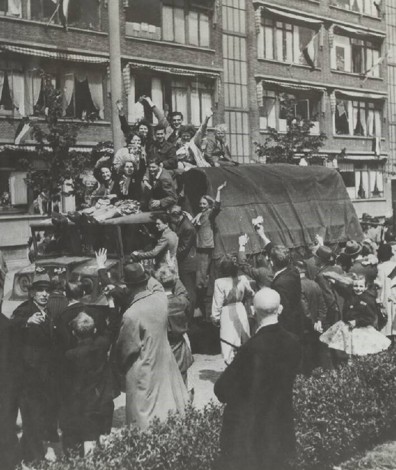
(325, 253)
(41, 280)
(134, 274)
(352, 248)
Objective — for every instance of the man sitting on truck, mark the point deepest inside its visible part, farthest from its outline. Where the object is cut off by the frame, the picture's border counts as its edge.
(158, 187)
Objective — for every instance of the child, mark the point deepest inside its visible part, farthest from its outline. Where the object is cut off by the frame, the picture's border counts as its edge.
(88, 407)
(356, 334)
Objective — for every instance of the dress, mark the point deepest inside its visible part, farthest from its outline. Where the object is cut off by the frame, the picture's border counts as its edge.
(385, 295)
(154, 385)
(363, 339)
(228, 307)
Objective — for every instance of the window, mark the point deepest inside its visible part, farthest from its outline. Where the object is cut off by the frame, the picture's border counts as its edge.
(193, 98)
(83, 95)
(363, 181)
(273, 112)
(13, 191)
(356, 56)
(85, 15)
(289, 43)
(359, 118)
(367, 7)
(183, 25)
(5, 92)
(11, 8)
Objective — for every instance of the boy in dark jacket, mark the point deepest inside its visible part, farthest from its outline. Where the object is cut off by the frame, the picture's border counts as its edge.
(88, 408)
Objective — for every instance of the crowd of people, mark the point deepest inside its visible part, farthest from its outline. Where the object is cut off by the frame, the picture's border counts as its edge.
(65, 361)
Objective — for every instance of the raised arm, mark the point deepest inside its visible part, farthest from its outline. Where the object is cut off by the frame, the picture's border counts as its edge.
(123, 120)
(158, 113)
(202, 130)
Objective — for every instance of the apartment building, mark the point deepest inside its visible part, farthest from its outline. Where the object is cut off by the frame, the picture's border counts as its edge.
(239, 57)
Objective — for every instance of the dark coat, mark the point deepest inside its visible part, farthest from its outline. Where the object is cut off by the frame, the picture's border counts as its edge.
(257, 387)
(262, 275)
(9, 390)
(288, 285)
(163, 190)
(88, 407)
(187, 247)
(313, 303)
(57, 302)
(36, 347)
(166, 152)
(363, 309)
(134, 191)
(332, 295)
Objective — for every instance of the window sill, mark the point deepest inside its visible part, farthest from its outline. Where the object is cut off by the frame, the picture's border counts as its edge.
(288, 64)
(356, 137)
(52, 25)
(4, 113)
(168, 43)
(356, 13)
(265, 131)
(22, 216)
(372, 199)
(353, 74)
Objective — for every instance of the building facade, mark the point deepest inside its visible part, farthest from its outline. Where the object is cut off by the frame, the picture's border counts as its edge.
(238, 57)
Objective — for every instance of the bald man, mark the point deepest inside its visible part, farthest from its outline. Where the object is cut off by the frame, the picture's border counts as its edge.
(258, 430)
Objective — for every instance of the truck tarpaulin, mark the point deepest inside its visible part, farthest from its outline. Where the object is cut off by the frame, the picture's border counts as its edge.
(296, 203)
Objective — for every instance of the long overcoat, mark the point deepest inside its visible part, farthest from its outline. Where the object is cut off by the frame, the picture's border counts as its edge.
(154, 385)
(257, 388)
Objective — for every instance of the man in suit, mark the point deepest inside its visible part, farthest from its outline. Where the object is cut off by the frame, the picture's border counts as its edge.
(158, 187)
(35, 345)
(257, 388)
(286, 281)
(163, 149)
(164, 252)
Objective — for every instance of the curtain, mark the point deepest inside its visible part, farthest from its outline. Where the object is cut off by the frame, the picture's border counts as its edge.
(297, 52)
(195, 105)
(2, 75)
(33, 87)
(349, 107)
(377, 120)
(95, 84)
(14, 8)
(157, 95)
(268, 42)
(17, 90)
(370, 122)
(68, 91)
(135, 109)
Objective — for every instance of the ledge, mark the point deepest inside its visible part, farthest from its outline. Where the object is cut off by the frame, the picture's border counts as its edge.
(52, 25)
(356, 75)
(172, 44)
(356, 13)
(288, 64)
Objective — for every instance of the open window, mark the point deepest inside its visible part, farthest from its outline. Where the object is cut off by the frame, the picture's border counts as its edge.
(11, 8)
(358, 118)
(83, 95)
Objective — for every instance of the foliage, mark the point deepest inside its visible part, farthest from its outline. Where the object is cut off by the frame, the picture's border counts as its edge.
(281, 147)
(337, 413)
(54, 141)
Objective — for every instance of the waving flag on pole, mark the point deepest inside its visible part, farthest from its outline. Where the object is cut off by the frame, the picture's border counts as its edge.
(23, 130)
(308, 51)
(62, 6)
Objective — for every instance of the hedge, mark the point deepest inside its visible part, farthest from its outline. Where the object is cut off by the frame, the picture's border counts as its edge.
(337, 414)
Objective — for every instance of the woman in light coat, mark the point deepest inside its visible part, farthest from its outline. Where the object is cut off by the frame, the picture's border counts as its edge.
(229, 311)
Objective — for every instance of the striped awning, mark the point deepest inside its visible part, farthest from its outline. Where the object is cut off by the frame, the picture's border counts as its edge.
(56, 55)
(33, 148)
(292, 86)
(287, 15)
(175, 70)
(360, 95)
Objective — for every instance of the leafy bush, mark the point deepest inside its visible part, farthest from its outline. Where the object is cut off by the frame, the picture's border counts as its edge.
(337, 413)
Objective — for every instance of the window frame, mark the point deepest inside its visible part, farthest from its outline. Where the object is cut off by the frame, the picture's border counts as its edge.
(354, 107)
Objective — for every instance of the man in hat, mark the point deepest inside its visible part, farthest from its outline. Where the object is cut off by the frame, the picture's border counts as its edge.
(38, 395)
(154, 385)
(359, 264)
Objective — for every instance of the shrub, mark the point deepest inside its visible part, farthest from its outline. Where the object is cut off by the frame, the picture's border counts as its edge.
(337, 413)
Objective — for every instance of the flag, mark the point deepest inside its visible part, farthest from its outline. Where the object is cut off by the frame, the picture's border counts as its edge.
(64, 11)
(23, 130)
(376, 64)
(308, 52)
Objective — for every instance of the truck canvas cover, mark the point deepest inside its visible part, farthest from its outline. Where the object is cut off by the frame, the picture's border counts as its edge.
(296, 203)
